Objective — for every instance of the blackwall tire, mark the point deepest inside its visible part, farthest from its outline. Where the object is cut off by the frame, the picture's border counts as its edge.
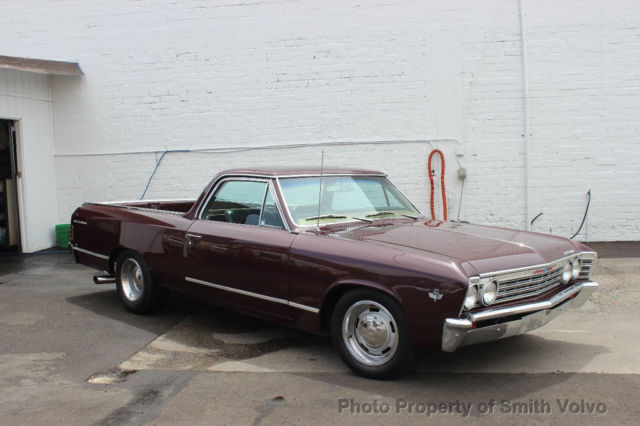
(136, 288)
(371, 334)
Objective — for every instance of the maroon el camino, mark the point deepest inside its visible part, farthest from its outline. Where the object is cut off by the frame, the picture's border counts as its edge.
(341, 252)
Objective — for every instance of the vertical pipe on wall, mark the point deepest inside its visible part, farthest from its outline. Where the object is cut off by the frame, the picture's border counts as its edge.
(525, 101)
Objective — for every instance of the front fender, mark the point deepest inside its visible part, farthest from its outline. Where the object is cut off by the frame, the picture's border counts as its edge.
(358, 283)
(426, 307)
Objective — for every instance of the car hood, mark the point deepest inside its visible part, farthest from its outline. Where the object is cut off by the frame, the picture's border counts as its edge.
(485, 248)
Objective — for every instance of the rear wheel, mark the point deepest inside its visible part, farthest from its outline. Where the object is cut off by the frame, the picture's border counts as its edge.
(135, 285)
(371, 335)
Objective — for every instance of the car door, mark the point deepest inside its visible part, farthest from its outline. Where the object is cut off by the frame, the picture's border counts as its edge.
(238, 248)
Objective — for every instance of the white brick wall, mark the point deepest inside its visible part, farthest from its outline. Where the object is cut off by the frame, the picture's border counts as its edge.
(199, 74)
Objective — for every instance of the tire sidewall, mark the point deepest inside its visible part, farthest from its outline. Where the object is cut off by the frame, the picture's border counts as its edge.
(401, 360)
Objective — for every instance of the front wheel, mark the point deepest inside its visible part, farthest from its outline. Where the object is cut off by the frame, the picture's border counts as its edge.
(371, 334)
(135, 285)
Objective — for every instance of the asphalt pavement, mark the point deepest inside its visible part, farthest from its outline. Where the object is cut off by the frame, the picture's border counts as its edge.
(70, 354)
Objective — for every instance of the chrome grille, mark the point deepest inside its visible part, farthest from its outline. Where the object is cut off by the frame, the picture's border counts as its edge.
(532, 281)
(587, 265)
(516, 288)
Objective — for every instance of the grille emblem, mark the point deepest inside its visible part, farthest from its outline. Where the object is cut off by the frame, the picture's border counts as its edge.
(435, 294)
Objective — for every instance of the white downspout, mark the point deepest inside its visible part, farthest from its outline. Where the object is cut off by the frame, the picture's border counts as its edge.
(525, 94)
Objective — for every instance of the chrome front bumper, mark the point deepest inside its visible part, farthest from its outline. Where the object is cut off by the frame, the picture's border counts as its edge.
(469, 330)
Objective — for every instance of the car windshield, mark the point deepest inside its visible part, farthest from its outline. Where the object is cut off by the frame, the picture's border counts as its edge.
(343, 198)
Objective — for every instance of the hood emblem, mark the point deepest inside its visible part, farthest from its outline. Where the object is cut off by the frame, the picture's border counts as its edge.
(435, 294)
(566, 252)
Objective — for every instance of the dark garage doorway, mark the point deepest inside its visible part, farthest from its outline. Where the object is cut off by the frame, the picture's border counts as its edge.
(9, 214)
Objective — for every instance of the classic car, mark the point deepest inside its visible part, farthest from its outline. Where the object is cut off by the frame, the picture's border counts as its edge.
(337, 252)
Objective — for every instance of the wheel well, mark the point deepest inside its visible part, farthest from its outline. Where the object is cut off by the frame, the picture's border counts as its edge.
(112, 258)
(329, 302)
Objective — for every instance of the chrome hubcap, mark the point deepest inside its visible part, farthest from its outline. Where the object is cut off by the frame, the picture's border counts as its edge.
(370, 332)
(131, 280)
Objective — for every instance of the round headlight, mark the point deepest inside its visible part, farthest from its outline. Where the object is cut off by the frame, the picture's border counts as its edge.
(576, 268)
(566, 273)
(471, 297)
(488, 293)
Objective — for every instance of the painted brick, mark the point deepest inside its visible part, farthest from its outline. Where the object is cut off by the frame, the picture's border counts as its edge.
(194, 74)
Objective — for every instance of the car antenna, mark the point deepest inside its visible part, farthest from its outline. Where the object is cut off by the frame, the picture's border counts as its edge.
(320, 192)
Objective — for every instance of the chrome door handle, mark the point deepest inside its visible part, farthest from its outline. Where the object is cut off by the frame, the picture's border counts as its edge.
(191, 238)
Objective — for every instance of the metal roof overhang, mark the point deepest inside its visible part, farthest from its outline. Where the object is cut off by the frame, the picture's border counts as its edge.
(41, 66)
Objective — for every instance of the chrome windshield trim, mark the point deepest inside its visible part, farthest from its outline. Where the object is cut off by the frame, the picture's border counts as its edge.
(530, 307)
(590, 254)
(276, 199)
(264, 199)
(252, 294)
(92, 253)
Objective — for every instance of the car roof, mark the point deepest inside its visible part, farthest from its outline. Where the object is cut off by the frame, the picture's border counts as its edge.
(299, 171)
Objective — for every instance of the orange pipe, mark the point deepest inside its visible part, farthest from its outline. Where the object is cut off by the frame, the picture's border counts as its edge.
(444, 196)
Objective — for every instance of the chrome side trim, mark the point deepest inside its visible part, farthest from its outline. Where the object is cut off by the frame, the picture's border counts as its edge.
(304, 307)
(80, 222)
(81, 250)
(252, 294)
(238, 291)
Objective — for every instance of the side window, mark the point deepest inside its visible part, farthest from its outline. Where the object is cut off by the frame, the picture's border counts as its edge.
(270, 215)
(236, 201)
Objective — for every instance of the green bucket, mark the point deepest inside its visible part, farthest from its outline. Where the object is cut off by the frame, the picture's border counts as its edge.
(62, 235)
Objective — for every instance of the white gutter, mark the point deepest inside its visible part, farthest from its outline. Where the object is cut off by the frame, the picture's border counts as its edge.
(525, 95)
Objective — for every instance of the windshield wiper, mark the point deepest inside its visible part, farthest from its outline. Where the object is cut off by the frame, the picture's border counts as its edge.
(363, 219)
(383, 213)
(325, 216)
(409, 216)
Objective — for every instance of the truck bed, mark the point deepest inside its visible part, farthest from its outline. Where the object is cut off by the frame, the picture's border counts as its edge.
(100, 230)
(167, 206)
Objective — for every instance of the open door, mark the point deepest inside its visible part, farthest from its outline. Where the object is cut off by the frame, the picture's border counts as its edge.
(9, 213)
